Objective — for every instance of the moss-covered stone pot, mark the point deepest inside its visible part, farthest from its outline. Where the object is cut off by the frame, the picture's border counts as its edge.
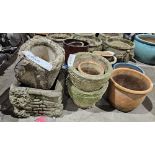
(85, 82)
(33, 75)
(28, 101)
(95, 44)
(85, 99)
(123, 48)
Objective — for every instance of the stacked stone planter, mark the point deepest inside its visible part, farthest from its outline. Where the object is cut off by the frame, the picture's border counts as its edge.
(38, 91)
(95, 44)
(87, 90)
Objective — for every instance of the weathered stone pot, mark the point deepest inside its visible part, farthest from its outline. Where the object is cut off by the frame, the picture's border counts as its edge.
(33, 75)
(72, 46)
(145, 48)
(85, 99)
(34, 102)
(59, 37)
(95, 44)
(85, 82)
(108, 55)
(122, 48)
(128, 88)
(90, 68)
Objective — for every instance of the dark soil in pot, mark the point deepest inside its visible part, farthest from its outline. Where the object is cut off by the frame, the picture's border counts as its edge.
(130, 82)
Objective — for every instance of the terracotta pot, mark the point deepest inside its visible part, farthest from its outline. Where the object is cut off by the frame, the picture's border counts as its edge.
(72, 46)
(90, 68)
(128, 88)
(108, 55)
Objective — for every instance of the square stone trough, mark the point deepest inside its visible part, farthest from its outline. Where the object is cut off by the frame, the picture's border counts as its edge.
(37, 102)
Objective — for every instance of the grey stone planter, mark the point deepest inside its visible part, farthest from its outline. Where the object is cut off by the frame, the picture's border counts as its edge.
(85, 99)
(95, 44)
(33, 75)
(89, 83)
(34, 102)
(59, 37)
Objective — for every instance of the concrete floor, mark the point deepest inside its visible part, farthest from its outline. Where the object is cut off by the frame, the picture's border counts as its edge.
(102, 112)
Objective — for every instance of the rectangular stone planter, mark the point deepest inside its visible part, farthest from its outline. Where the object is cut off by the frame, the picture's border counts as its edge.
(35, 102)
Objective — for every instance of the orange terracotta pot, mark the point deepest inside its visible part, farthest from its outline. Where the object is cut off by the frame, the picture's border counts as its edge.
(128, 88)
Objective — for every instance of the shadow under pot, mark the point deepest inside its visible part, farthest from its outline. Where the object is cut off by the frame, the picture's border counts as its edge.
(72, 46)
(128, 88)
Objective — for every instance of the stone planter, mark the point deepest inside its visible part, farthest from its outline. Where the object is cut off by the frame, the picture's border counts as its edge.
(85, 99)
(33, 75)
(90, 68)
(123, 49)
(85, 82)
(59, 37)
(95, 44)
(108, 55)
(35, 102)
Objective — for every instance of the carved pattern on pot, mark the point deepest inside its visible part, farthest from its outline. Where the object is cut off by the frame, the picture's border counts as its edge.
(33, 75)
(85, 99)
(85, 82)
(31, 101)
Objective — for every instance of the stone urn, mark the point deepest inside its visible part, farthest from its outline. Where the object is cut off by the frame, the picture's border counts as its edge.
(32, 74)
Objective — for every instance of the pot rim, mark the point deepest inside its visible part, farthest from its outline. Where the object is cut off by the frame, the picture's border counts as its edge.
(129, 90)
(86, 44)
(128, 64)
(137, 38)
(90, 62)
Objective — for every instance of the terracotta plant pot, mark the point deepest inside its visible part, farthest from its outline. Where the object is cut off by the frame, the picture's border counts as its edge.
(72, 46)
(128, 88)
(90, 68)
(108, 55)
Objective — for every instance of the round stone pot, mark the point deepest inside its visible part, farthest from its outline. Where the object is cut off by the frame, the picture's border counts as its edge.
(128, 88)
(90, 68)
(108, 55)
(72, 46)
(59, 37)
(85, 99)
(145, 48)
(95, 44)
(122, 48)
(128, 65)
(86, 82)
